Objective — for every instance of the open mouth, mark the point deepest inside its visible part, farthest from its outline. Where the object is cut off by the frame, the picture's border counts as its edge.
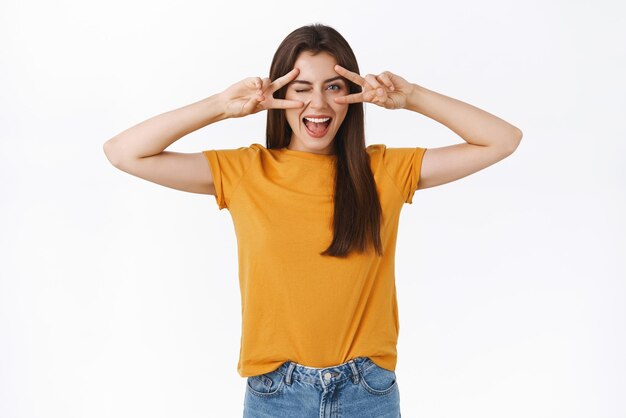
(317, 129)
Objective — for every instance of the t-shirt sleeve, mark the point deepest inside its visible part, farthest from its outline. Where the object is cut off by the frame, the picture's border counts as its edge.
(404, 166)
(228, 167)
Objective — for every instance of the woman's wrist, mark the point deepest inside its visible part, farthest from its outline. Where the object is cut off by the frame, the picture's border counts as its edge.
(215, 108)
(414, 97)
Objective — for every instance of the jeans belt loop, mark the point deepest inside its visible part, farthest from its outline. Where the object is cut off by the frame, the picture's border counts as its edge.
(292, 366)
(355, 372)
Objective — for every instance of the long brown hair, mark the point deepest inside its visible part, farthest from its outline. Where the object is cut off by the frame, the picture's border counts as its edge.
(357, 210)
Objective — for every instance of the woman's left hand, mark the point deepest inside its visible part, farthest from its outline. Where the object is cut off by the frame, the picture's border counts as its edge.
(386, 89)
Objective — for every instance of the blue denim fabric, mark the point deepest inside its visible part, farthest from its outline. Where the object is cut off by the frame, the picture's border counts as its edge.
(357, 388)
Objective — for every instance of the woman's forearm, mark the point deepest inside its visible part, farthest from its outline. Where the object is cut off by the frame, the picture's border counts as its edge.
(154, 135)
(474, 125)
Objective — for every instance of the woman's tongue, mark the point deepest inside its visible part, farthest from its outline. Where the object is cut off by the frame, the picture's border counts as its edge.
(316, 128)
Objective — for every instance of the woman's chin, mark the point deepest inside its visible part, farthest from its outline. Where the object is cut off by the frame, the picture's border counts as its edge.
(316, 145)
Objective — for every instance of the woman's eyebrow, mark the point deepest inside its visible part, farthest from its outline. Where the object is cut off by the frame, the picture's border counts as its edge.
(325, 81)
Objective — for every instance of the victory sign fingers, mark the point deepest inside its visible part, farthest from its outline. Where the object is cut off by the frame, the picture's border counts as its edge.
(386, 89)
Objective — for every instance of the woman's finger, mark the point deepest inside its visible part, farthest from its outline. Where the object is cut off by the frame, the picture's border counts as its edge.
(377, 95)
(371, 79)
(285, 104)
(350, 98)
(384, 77)
(354, 77)
(266, 82)
(380, 94)
(249, 107)
(284, 80)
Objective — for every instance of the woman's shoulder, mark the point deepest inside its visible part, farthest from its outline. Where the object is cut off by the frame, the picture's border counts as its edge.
(375, 151)
(375, 148)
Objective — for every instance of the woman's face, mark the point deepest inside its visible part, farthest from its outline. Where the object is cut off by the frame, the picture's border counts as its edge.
(316, 85)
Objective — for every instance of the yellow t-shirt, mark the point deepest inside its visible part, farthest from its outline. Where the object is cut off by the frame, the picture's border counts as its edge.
(298, 305)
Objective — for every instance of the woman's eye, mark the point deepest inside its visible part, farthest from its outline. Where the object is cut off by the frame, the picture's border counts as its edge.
(332, 85)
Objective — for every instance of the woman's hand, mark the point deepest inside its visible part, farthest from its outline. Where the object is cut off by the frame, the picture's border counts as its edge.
(253, 94)
(386, 89)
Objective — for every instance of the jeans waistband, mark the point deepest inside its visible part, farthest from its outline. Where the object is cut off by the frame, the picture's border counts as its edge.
(325, 375)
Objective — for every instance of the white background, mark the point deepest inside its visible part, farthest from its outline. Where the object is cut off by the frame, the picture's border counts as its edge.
(120, 298)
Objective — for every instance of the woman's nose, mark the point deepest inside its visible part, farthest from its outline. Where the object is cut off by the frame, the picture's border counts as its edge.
(317, 99)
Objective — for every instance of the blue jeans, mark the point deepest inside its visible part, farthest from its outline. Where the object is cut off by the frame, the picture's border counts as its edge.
(358, 388)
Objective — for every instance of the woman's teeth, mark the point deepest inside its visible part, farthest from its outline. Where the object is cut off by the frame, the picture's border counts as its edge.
(317, 127)
(317, 120)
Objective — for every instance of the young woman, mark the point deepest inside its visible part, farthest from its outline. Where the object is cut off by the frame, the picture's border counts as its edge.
(316, 217)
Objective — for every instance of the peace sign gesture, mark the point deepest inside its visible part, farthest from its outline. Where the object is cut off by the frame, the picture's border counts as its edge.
(386, 89)
(253, 94)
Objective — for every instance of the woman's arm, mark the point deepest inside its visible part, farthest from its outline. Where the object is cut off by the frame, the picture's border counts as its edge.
(140, 150)
(153, 136)
(474, 125)
(488, 138)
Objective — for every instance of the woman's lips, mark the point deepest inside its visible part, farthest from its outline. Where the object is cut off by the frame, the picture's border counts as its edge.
(317, 133)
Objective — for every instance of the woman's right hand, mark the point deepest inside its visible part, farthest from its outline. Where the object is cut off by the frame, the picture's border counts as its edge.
(253, 94)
